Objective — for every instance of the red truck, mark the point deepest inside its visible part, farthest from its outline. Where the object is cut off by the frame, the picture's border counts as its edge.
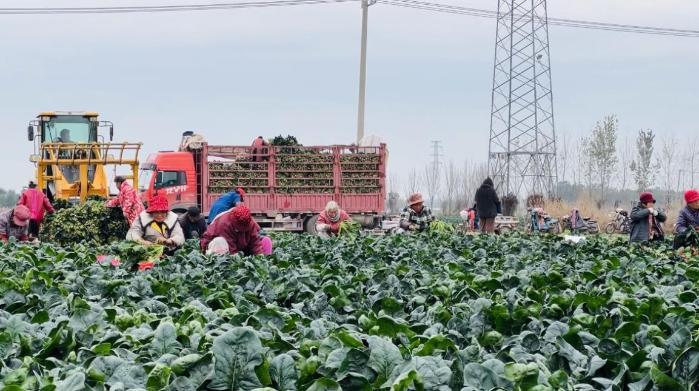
(285, 186)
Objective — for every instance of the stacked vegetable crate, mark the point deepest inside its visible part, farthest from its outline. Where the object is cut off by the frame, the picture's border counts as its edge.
(225, 177)
(360, 171)
(304, 170)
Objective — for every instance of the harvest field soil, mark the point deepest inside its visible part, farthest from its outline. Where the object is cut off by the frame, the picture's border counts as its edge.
(425, 312)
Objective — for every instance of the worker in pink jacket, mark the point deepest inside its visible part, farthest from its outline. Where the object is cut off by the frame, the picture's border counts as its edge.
(127, 199)
(329, 220)
(38, 204)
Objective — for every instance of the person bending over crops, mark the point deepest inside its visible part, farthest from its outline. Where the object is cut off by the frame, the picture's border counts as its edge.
(127, 199)
(239, 230)
(329, 220)
(487, 206)
(157, 225)
(226, 202)
(193, 223)
(646, 221)
(688, 220)
(14, 222)
(415, 216)
(38, 203)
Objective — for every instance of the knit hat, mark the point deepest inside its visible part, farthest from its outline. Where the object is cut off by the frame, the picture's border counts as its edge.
(647, 197)
(158, 203)
(241, 217)
(21, 215)
(691, 196)
(241, 193)
(415, 198)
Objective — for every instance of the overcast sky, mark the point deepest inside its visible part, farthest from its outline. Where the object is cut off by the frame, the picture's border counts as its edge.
(235, 74)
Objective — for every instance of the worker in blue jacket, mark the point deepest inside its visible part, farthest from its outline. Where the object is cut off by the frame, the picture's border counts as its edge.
(226, 202)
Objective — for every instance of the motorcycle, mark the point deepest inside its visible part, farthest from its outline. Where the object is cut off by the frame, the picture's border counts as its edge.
(578, 224)
(543, 222)
(621, 222)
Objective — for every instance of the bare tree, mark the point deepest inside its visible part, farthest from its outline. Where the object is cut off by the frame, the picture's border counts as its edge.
(642, 166)
(432, 181)
(413, 184)
(562, 158)
(666, 163)
(602, 152)
(688, 172)
(452, 179)
(587, 163)
(625, 156)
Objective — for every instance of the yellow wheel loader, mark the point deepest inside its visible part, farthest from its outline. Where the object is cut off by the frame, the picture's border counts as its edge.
(71, 155)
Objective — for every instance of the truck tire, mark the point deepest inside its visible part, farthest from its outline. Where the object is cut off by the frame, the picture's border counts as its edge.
(309, 225)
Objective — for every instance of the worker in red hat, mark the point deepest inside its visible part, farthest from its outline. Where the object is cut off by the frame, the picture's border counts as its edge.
(239, 230)
(157, 225)
(646, 221)
(416, 216)
(14, 224)
(688, 219)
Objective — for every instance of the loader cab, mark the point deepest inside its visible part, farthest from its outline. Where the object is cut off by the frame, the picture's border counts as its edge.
(171, 174)
(68, 127)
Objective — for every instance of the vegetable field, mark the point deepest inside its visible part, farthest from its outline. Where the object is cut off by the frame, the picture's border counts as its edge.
(427, 312)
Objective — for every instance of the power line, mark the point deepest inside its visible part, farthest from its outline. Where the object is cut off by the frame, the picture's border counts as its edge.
(414, 4)
(482, 13)
(163, 8)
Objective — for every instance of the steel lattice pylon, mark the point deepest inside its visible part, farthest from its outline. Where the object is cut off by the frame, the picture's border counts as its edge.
(522, 152)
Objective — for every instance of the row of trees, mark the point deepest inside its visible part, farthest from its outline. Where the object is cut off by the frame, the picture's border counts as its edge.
(602, 165)
(8, 198)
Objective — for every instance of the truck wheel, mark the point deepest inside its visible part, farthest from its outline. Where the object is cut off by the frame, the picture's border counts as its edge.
(309, 225)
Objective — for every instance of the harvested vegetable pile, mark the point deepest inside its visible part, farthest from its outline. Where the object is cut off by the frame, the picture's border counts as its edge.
(299, 170)
(90, 223)
(406, 312)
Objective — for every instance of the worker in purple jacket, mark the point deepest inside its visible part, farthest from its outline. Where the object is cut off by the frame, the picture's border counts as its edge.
(687, 220)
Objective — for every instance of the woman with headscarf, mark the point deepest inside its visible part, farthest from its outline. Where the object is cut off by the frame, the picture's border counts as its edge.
(329, 220)
(239, 231)
(157, 225)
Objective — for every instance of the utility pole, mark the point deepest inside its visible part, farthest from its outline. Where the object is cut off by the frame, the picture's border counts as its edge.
(362, 69)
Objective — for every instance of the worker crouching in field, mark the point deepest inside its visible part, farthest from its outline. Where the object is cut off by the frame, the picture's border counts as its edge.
(193, 223)
(415, 216)
(239, 231)
(687, 220)
(329, 220)
(157, 225)
(226, 202)
(646, 221)
(14, 224)
(127, 200)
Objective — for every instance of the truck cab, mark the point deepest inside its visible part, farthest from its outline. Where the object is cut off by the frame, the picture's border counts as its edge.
(171, 174)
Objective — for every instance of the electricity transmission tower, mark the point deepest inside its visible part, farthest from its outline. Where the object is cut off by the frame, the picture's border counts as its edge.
(432, 175)
(522, 151)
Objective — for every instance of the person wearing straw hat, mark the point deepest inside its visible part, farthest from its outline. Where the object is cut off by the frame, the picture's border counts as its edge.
(416, 217)
(14, 224)
(157, 225)
(646, 221)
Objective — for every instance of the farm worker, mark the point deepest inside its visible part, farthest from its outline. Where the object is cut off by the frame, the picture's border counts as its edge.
(487, 206)
(329, 220)
(226, 202)
(38, 203)
(688, 218)
(193, 223)
(127, 199)
(14, 222)
(157, 225)
(238, 229)
(416, 216)
(646, 220)
(472, 218)
(259, 152)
